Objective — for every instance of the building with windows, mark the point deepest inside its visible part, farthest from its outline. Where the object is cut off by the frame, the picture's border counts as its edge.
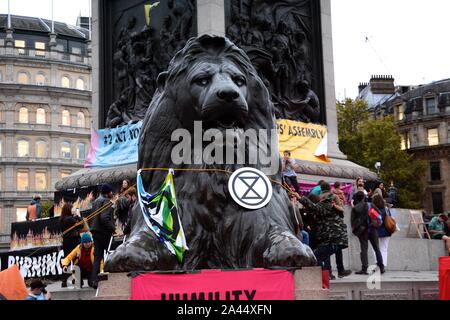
(45, 110)
(422, 114)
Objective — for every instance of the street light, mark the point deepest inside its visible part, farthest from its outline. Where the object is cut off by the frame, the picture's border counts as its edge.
(378, 166)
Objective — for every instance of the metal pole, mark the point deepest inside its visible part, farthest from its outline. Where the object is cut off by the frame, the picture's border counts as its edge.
(53, 20)
(90, 19)
(9, 16)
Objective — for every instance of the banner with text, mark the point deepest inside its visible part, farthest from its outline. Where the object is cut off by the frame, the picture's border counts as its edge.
(256, 284)
(114, 147)
(305, 141)
(35, 263)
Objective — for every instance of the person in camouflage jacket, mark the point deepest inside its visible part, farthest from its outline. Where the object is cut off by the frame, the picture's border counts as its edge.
(331, 231)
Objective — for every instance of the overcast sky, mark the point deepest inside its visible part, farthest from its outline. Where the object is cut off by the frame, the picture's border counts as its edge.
(408, 39)
(64, 10)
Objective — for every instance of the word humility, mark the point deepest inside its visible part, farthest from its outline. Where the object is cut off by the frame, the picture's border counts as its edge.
(226, 295)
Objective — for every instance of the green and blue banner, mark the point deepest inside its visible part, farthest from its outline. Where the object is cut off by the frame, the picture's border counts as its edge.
(161, 215)
(114, 147)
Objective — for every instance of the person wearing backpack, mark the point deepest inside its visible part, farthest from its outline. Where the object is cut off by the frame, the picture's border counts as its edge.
(364, 222)
(384, 235)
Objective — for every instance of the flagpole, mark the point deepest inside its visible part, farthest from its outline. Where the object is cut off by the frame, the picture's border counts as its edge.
(9, 16)
(53, 20)
(90, 19)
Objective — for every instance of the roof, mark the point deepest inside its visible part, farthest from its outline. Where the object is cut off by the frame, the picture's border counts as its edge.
(43, 25)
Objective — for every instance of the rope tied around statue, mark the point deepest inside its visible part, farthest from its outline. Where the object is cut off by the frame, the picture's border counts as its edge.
(110, 203)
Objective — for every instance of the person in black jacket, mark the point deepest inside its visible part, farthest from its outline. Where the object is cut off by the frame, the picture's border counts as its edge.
(365, 233)
(71, 239)
(102, 228)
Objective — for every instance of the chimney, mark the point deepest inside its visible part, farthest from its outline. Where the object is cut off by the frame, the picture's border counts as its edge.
(382, 84)
(362, 86)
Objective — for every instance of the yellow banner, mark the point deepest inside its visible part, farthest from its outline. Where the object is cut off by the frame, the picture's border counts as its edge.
(305, 141)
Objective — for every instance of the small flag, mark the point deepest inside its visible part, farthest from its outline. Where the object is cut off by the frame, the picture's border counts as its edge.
(161, 215)
(148, 8)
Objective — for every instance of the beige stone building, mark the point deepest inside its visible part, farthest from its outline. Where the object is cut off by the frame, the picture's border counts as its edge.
(45, 110)
(422, 114)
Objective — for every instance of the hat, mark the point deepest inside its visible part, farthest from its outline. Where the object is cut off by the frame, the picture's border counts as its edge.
(106, 188)
(86, 238)
(35, 284)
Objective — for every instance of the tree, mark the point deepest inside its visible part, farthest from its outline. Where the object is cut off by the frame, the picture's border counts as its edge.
(367, 141)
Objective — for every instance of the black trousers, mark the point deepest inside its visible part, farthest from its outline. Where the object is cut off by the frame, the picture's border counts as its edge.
(364, 239)
(294, 182)
(101, 243)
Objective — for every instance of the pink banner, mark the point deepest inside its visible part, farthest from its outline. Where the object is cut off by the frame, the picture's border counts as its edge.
(256, 284)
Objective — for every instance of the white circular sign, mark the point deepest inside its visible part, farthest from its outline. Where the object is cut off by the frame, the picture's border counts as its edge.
(250, 188)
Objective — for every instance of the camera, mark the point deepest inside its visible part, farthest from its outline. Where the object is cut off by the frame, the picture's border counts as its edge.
(44, 291)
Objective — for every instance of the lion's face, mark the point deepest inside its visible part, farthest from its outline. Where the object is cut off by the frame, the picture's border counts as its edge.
(215, 92)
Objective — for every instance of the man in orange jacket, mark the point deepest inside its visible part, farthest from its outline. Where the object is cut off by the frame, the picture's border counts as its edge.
(83, 257)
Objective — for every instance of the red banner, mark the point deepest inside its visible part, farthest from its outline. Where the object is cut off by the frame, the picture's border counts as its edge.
(444, 278)
(256, 284)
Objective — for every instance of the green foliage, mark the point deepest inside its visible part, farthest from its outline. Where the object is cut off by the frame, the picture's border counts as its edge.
(366, 141)
(45, 208)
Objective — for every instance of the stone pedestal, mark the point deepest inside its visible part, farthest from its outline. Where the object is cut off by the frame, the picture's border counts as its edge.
(117, 287)
(308, 284)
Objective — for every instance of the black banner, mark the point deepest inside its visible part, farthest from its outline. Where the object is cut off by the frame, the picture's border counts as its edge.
(42, 262)
(36, 234)
(76, 195)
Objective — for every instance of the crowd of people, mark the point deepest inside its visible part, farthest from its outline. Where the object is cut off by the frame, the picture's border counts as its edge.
(84, 244)
(320, 222)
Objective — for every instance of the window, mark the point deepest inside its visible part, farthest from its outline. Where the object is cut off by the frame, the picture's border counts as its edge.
(400, 113)
(436, 198)
(76, 50)
(23, 115)
(23, 148)
(81, 123)
(65, 150)
(41, 149)
(65, 174)
(40, 80)
(404, 143)
(21, 214)
(40, 116)
(22, 78)
(40, 49)
(81, 151)
(435, 171)
(80, 84)
(22, 181)
(66, 118)
(65, 82)
(41, 181)
(20, 44)
(433, 137)
(430, 104)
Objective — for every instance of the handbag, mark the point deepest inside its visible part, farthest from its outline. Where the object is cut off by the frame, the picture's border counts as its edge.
(375, 218)
(389, 223)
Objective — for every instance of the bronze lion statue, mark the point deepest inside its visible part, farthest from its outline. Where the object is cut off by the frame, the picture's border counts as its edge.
(213, 81)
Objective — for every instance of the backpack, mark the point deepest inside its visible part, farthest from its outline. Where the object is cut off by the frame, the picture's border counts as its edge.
(375, 218)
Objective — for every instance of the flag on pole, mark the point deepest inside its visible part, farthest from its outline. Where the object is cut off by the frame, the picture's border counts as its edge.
(161, 215)
(148, 8)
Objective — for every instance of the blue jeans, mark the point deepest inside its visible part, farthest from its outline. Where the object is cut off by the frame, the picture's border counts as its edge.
(305, 237)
